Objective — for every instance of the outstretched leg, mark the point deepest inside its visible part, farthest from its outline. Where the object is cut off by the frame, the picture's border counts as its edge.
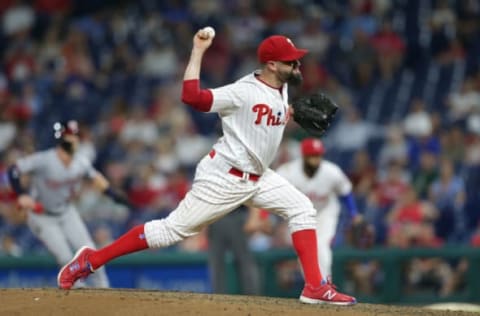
(191, 215)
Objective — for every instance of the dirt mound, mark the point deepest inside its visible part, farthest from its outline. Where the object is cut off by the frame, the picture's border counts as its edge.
(117, 302)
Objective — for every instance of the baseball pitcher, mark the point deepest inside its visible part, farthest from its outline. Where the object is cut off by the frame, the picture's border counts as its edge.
(254, 111)
(56, 176)
(323, 182)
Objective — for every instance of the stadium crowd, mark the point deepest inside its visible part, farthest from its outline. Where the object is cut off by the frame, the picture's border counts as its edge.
(404, 73)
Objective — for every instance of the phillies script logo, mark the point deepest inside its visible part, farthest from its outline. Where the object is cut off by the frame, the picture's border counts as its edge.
(264, 110)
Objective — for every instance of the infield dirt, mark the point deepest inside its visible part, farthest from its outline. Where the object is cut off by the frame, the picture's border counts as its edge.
(119, 302)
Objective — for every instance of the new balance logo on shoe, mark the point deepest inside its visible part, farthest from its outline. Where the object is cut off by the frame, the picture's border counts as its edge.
(329, 295)
(326, 293)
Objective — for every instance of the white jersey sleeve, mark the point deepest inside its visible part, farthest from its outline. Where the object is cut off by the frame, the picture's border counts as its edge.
(226, 99)
(90, 171)
(31, 163)
(343, 186)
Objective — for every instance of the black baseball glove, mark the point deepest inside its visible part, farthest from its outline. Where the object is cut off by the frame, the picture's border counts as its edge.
(314, 113)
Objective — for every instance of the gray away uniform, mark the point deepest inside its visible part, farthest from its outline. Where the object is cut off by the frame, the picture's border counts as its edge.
(55, 185)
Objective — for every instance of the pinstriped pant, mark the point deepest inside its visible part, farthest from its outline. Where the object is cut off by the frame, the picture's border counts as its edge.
(215, 193)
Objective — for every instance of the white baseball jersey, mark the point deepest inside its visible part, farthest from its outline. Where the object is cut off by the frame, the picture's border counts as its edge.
(323, 188)
(54, 184)
(253, 116)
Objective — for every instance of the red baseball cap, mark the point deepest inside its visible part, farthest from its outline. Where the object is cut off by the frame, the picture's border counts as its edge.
(312, 147)
(278, 48)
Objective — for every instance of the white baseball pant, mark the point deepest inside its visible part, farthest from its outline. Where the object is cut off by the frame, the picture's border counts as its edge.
(327, 220)
(216, 192)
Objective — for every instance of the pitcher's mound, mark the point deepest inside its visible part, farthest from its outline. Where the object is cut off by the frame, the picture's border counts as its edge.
(119, 302)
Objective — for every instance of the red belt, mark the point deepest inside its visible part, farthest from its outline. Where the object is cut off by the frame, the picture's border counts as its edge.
(238, 173)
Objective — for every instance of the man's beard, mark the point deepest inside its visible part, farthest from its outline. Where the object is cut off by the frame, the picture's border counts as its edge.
(292, 78)
(295, 79)
(310, 170)
(67, 146)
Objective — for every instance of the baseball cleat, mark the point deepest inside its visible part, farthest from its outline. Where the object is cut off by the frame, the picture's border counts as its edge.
(77, 268)
(326, 293)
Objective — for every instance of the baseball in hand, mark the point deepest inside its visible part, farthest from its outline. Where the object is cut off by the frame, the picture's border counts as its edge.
(209, 31)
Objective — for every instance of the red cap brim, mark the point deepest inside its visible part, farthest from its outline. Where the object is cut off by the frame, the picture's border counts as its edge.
(297, 54)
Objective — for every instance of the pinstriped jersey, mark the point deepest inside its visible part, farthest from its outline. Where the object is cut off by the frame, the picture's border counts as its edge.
(323, 188)
(253, 116)
(51, 182)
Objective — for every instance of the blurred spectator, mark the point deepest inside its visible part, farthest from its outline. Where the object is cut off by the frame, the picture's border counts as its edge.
(160, 62)
(472, 153)
(139, 127)
(453, 144)
(20, 63)
(458, 280)
(390, 48)
(411, 222)
(417, 123)
(475, 239)
(95, 208)
(358, 17)
(448, 195)
(389, 189)
(361, 59)
(86, 146)
(385, 194)
(165, 159)
(76, 55)
(313, 37)
(314, 75)
(425, 174)
(244, 24)
(464, 101)
(363, 175)
(352, 132)
(9, 246)
(394, 149)
(442, 24)
(8, 129)
(335, 90)
(419, 126)
(428, 273)
(18, 19)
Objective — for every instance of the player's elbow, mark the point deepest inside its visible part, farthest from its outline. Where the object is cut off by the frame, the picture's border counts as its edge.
(200, 100)
(13, 175)
(188, 99)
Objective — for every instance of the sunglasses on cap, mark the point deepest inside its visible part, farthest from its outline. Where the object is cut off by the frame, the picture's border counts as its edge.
(291, 63)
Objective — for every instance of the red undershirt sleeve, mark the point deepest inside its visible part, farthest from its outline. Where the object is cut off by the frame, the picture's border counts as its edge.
(200, 100)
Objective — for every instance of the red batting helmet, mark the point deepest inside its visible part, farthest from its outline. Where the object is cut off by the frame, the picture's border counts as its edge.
(312, 147)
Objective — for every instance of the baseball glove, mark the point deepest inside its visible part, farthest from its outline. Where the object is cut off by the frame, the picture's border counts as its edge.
(314, 113)
(361, 235)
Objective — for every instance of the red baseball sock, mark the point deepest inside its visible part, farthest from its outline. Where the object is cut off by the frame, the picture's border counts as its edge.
(305, 243)
(131, 241)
